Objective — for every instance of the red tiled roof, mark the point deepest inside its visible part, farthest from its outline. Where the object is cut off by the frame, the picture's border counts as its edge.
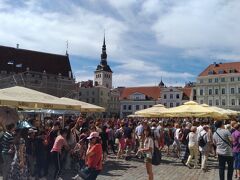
(187, 91)
(152, 92)
(225, 67)
(35, 61)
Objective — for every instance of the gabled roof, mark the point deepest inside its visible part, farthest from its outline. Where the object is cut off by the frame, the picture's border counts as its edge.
(152, 92)
(221, 68)
(187, 91)
(34, 60)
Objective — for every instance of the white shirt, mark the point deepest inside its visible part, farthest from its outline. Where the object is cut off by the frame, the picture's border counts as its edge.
(193, 139)
(147, 144)
(177, 132)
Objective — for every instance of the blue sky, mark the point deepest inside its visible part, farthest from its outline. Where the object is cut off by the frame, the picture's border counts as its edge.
(146, 39)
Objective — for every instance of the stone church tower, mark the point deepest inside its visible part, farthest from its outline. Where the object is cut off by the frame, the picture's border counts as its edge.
(103, 73)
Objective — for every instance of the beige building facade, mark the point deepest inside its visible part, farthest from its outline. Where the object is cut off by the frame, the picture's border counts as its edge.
(219, 85)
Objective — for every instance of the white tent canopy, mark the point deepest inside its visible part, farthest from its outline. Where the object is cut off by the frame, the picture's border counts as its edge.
(85, 107)
(26, 98)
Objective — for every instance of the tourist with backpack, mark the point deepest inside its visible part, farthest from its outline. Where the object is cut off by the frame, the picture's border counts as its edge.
(204, 143)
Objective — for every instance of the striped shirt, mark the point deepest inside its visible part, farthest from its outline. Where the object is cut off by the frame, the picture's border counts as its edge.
(7, 142)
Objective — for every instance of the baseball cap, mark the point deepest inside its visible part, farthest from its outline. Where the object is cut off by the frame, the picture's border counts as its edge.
(93, 135)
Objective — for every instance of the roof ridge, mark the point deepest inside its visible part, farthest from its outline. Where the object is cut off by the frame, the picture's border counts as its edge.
(34, 51)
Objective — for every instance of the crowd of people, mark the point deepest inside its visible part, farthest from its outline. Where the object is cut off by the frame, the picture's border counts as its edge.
(84, 145)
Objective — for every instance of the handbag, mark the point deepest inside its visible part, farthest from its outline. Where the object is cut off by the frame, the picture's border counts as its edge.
(157, 155)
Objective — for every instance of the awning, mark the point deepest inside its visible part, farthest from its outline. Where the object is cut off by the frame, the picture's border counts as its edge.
(85, 107)
(26, 98)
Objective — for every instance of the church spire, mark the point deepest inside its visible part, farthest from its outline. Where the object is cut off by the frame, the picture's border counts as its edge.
(103, 66)
(104, 53)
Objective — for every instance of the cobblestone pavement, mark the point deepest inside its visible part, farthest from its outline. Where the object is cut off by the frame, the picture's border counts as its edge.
(170, 169)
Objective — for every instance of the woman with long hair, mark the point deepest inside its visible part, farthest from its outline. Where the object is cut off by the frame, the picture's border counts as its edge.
(147, 150)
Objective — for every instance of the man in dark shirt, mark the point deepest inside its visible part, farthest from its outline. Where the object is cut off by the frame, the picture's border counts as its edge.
(52, 134)
(7, 149)
(128, 138)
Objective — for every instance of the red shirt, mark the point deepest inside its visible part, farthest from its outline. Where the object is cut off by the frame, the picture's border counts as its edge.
(95, 161)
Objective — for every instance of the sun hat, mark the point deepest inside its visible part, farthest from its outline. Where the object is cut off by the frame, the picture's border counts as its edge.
(93, 135)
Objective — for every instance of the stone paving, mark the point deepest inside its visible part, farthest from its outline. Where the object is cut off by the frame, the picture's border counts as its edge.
(170, 169)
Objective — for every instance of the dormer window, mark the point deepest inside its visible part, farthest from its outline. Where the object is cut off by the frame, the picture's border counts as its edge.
(221, 71)
(211, 72)
(232, 70)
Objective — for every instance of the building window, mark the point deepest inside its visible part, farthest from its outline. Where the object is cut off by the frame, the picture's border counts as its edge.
(93, 100)
(217, 102)
(238, 90)
(201, 92)
(145, 107)
(93, 93)
(223, 91)
(223, 102)
(165, 96)
(137, 107)
(165, 104)
(210, 92)
(150, 106)
(210, 102)
(87, 100)
(232, 91)
(238, 78)
(171, 104)
(80, 94)
(87, 93)
(216, 91)
(222, 79)
(210, 72)
(232, 79)
(239, 102)
(210, 80)
(201, 81)
(171, 96)
(177, 96)
(233, 102)
(201, 101)
(177, 104)
(101, 93)
(216, 80)
(221, 71)
(129, 107)
(124, 107)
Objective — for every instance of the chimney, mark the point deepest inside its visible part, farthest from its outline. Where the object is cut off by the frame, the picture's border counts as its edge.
(17, 46)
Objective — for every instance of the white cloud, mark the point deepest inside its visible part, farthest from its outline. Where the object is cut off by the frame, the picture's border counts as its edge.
(48, 31)
(138, 33)
(206, 25)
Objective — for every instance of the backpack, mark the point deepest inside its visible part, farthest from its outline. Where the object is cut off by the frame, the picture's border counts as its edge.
(201, 141)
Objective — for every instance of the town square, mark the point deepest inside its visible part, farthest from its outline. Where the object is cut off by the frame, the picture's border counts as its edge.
(119, 90)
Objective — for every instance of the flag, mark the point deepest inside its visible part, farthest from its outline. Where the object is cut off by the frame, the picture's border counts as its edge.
(19, 65)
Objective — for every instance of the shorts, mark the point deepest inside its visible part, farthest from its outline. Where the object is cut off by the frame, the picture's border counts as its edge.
(147, 160)
(236, 160)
